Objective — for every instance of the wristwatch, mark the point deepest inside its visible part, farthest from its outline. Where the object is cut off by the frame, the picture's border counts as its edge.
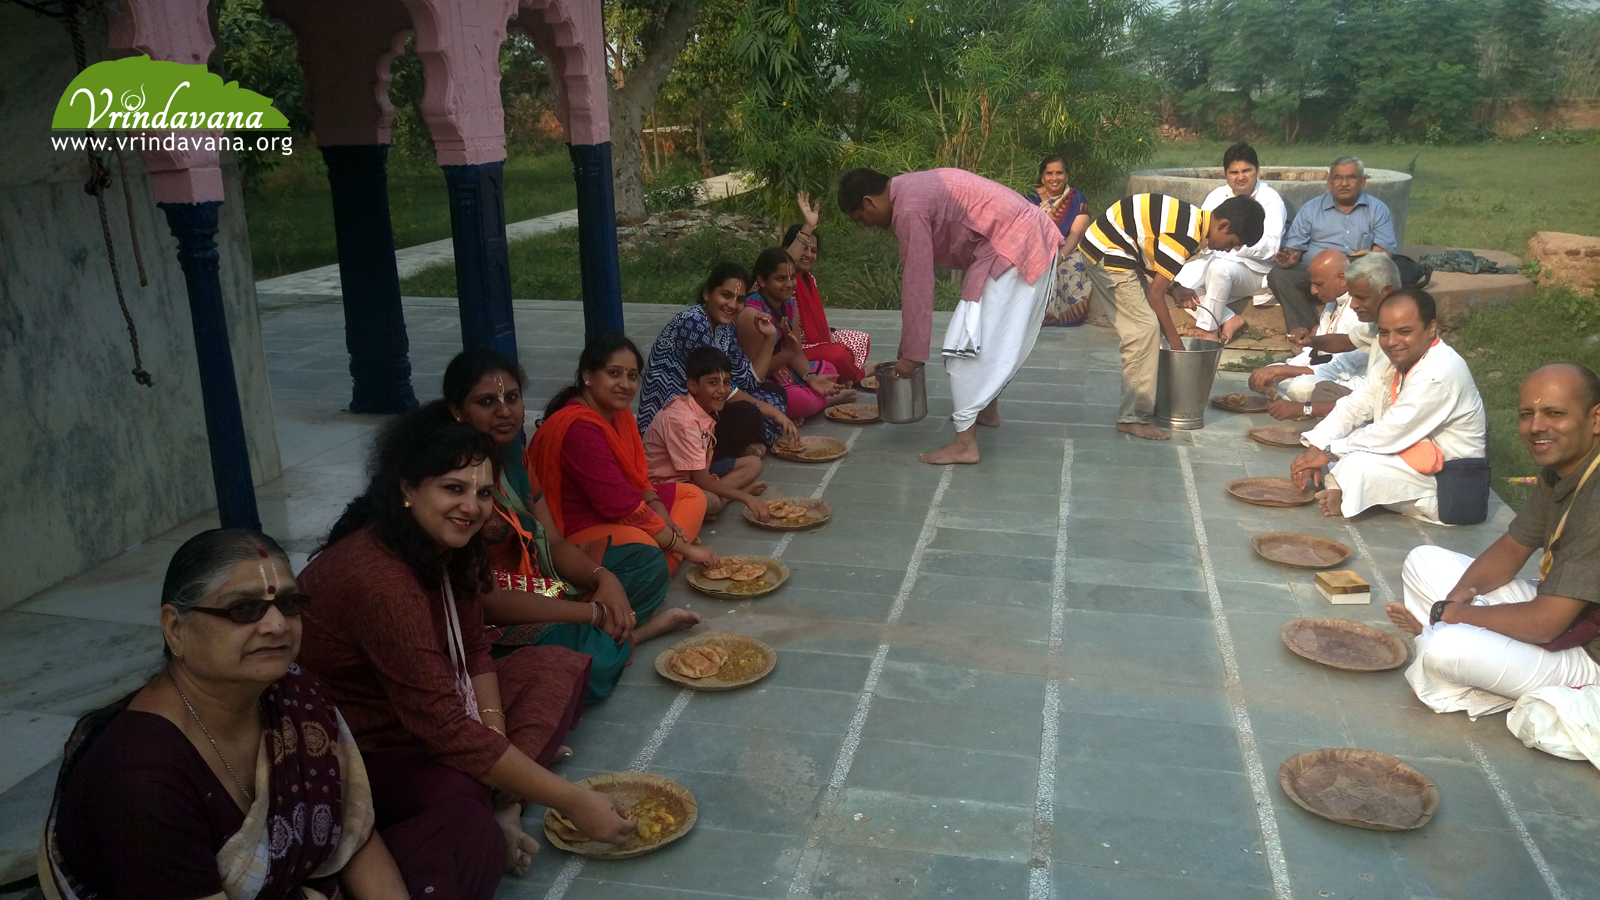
(1436, 614)
(1306, 412)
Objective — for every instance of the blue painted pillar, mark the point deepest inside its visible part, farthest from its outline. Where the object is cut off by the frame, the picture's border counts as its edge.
(374, 324)
(195, 227)
(597, 239)
(483, 273)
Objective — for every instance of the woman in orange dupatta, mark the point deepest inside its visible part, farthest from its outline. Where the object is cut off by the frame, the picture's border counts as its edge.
(590, 459)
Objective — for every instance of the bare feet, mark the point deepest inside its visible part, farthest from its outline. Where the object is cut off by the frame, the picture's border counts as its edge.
(1403, 619)
(848, 395)
(1229, 334)
(672, 618)
(563, 752)
(990, 417)
(1141, 430)
(1331, 501)
(756, 489)
(957, 452)
(520, 847)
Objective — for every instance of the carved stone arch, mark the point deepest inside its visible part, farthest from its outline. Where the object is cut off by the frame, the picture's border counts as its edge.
(571, 36)
(173, 31)
(345, 50)
(459, 44)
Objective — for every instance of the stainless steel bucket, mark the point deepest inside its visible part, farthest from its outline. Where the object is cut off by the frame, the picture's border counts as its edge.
(1183, 384)
(902, 400)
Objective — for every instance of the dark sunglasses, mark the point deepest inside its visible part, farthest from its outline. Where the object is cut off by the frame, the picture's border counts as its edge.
(248, 612)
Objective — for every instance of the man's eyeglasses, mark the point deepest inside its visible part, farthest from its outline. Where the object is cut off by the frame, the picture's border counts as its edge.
(248, 612)
(1346, 178)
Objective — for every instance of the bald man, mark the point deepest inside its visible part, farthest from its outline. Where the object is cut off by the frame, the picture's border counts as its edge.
(1484, 636)
(1308, 376)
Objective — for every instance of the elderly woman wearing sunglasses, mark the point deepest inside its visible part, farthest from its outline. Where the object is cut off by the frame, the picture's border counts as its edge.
(231, 773)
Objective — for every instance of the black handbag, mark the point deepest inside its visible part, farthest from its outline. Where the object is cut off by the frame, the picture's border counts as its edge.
(1463, 486)
(1412, 273)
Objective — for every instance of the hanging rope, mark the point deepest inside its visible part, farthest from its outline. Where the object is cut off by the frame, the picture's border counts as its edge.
(99, 180)
(133, 228)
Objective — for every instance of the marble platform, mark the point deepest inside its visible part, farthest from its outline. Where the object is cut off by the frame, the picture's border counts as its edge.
(1056, 674)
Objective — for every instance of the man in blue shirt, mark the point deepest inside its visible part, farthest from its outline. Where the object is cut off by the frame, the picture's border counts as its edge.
(1348, 219)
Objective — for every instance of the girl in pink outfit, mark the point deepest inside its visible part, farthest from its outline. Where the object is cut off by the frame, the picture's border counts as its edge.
(809, 387)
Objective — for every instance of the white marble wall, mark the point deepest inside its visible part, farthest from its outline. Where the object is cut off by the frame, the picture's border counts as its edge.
(91, 462)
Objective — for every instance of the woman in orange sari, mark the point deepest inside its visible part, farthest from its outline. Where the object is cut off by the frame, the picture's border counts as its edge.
(589, 458)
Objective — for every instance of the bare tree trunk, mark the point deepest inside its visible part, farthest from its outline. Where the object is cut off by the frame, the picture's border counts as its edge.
(655, 138)
(700, 144)
(661, 42)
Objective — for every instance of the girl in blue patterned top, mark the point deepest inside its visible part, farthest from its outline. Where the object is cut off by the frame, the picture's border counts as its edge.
(754, 416)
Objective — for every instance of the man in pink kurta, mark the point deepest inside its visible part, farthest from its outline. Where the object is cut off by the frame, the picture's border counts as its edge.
(1004, 245)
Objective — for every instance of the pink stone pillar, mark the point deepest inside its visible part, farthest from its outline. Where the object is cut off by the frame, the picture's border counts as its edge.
(188, 187)
(459, 43)
(345, 49)
(571, 35)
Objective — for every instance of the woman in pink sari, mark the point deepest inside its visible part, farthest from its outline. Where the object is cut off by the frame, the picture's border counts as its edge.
(846, 350)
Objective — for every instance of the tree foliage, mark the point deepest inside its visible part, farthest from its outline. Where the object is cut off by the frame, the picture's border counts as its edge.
(987, 85)
(1365, 70)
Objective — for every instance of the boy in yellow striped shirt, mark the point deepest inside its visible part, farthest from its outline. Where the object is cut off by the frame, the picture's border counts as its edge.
(1138, 245)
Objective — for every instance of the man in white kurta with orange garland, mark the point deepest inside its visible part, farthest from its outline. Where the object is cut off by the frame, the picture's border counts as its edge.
(1413, 414)
(1212, 279)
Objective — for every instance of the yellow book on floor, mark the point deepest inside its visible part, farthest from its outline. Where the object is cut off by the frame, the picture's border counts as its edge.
(1343, 587)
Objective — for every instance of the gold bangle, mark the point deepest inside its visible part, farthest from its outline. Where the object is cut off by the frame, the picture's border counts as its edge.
(496, 730)
(485, 709)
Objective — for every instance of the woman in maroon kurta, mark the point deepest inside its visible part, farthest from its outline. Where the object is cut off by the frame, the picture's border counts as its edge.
(397, 635)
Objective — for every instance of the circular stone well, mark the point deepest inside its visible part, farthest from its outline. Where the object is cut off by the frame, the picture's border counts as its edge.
(1296, 184)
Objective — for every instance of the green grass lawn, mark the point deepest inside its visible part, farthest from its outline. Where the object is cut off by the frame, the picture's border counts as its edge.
(1502, 346)
(1491, 196)
(858, 268)
(291, 214)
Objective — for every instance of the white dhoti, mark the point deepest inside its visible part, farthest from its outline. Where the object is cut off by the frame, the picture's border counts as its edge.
(1376, 479)
(988, 341)
(1464, 668)
(1217, 281)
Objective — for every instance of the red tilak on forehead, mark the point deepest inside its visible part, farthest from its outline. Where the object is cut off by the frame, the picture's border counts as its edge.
(262, 552)
(271, 589)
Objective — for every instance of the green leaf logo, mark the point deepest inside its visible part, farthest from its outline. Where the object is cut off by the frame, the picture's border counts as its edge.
(142, 94)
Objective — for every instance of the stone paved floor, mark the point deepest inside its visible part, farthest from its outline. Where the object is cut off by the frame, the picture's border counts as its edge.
(1056, 674)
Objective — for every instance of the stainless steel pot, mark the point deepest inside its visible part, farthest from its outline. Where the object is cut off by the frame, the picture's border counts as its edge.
(1183, 383)
(902, 400)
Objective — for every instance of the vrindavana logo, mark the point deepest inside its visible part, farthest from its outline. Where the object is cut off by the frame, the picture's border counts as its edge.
(140, 94)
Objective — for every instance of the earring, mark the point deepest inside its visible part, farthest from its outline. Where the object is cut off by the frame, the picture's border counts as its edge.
(406, 504)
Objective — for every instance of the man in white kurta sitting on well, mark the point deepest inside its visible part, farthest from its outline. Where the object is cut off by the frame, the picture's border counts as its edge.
(1212, 279)
(1491, 637)
(1387, 441)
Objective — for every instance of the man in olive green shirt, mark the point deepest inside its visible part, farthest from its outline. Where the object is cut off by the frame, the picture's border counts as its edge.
(1485, 637)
